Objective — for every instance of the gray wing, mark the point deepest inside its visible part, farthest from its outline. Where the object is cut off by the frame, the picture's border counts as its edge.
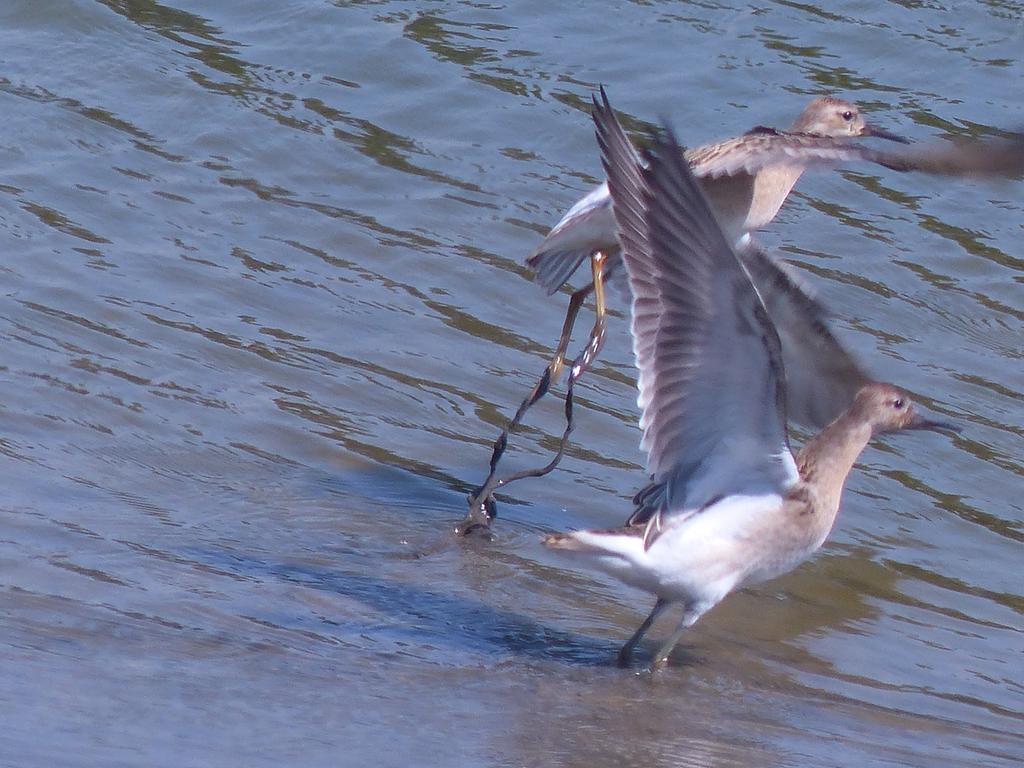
(822, 377)
(765, 147)
(710, 369)
(621, 160)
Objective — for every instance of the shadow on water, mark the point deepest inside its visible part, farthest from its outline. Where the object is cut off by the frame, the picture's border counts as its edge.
(426, 617)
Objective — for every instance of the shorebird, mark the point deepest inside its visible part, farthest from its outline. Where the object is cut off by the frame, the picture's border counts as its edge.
(730, 504)
(746, 180)
(747, 177)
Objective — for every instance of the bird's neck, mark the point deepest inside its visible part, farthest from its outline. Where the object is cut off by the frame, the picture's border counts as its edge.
(826, 460)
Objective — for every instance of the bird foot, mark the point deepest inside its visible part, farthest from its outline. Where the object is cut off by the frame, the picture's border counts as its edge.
(477, 521)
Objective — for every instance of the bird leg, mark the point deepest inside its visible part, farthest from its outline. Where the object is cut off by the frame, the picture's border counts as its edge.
(690, 616)
(558, 361)
(626, 652)
(482, 507)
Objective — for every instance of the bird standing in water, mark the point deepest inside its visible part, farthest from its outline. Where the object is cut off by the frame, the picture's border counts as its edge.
(730, 504)
(746, 180)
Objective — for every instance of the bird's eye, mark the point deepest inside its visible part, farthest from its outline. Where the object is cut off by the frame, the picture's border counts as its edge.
(898, 403)
(847, 115)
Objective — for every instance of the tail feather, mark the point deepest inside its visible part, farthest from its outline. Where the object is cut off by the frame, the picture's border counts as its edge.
(553, 267)
(564, 541)
(587, 227)
(618, 552)
(612, 541)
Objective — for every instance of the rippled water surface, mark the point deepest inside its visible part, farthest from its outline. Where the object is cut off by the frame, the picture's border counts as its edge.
(263, 309)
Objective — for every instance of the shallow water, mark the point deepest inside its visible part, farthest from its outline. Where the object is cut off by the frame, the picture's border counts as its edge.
(264, 309)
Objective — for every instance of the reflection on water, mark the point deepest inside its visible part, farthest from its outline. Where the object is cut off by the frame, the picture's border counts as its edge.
(264, 309)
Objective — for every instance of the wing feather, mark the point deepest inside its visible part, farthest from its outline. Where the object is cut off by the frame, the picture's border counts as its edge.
(710, 372)
(822, 377)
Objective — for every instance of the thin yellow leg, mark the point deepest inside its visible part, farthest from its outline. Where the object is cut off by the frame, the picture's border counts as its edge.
(575, 303)
(481, 502)
(597, 270)
(597, 261)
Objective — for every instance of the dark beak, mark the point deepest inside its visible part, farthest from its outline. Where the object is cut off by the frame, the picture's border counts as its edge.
(879, 133)
(917, 421)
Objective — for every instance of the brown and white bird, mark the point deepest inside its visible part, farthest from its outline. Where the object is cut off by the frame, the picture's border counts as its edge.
(746, 178)
(730, 504)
